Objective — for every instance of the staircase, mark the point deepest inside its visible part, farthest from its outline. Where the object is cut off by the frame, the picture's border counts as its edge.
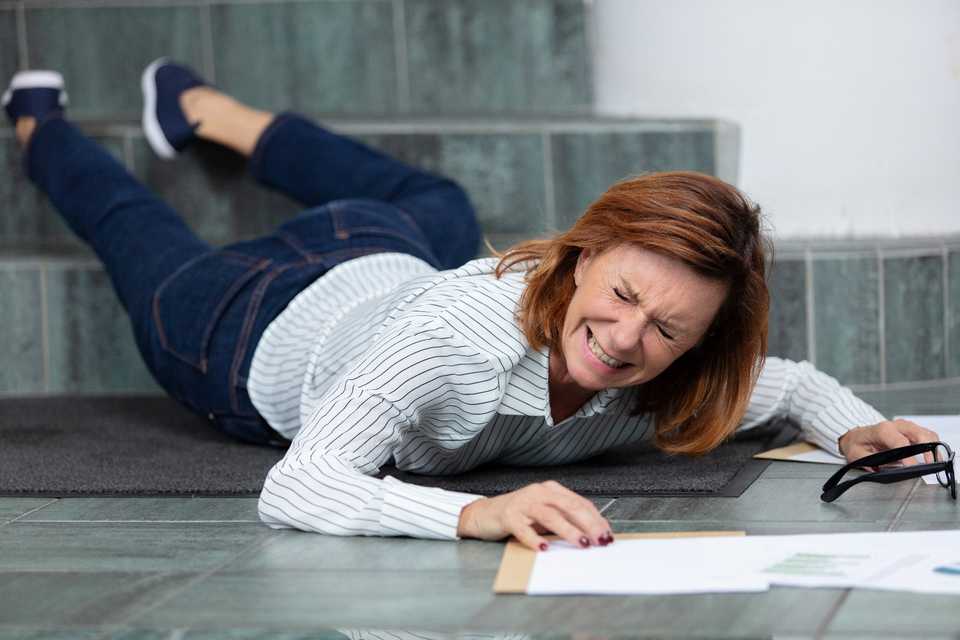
(496, 94)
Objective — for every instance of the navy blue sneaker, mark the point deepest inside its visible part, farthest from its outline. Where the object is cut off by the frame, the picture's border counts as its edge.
(164, 122)
(34, 93)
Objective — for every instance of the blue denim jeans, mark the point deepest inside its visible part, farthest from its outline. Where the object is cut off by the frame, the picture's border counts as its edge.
(197, 311)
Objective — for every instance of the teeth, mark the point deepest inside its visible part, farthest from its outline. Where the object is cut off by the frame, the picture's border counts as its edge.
(603, 357)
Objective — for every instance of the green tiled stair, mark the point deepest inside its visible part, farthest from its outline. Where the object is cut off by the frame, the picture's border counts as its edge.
(495, 93)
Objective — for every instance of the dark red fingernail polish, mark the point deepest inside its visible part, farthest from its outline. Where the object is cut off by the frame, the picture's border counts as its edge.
(584, 542)
(543, 546)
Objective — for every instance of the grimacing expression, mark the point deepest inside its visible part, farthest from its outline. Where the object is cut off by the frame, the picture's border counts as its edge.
(637, 310)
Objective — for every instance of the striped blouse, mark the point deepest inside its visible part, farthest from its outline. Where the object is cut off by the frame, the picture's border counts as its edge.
(385, 359)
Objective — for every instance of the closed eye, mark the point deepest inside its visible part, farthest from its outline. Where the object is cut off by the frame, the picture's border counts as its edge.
(625, 299)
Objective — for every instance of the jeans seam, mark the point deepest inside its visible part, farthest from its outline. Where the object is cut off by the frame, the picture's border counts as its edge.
(253, 307)
(228, 295)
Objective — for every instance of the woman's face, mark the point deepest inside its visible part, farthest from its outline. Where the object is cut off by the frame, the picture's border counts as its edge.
(639, 310)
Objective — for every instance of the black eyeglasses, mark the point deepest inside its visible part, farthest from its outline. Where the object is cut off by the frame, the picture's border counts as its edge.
(942, 466)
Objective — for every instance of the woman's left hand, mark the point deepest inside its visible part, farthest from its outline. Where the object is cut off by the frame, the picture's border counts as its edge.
(862, 441)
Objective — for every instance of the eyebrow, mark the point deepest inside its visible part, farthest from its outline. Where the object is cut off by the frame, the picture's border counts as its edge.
(664, 321)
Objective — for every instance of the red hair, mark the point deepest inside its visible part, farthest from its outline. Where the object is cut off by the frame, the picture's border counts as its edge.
(699, 400)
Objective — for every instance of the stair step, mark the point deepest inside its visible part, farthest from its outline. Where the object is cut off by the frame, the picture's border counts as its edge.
(525, 176)
(62, 329)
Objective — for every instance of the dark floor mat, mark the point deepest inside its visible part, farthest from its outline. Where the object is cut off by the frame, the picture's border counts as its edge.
(633, 470)
(121, 446)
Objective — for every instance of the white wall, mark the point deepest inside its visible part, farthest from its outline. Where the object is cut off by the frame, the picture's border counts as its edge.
(849, 109)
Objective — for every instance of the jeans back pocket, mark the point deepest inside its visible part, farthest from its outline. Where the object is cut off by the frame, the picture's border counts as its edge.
(189, 304)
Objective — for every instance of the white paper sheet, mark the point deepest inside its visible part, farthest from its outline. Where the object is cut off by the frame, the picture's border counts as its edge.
(899, 561)
(946, 426)
(819, 456)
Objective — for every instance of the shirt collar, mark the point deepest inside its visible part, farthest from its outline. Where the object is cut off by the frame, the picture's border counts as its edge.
(528, 391)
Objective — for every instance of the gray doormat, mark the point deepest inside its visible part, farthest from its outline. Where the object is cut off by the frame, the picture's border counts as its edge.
(70, 446)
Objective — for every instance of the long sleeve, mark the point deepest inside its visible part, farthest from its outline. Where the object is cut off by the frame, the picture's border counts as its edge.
(823, 408)
(324, 482)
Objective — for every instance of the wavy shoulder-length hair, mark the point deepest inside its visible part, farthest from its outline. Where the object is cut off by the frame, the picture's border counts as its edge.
(698, 401)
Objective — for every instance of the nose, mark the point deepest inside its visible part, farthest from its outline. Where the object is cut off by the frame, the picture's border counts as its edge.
(628, 333)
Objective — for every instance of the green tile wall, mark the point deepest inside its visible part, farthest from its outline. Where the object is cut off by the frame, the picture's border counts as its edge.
(787, 337)
(212, 190)
(953, 324)
(846, 318)
(913, 316)
(503, 173)
(314, 57)
(91, 342)
(28, 216)
(102, 51)
(21, 331)
(497, 55)
(585, 164)
(9, 49)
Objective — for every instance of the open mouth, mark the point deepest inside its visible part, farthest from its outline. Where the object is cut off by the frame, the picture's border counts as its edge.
(601, 358)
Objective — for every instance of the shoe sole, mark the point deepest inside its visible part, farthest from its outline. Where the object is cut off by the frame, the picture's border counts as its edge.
(151, 126)
(35, 80)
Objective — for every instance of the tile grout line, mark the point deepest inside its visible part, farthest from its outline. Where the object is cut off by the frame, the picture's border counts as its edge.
(810, 315)
(881, 320)
(550, 202)
(607, 505)
(24, 515)
(946, 312)
(208, 60)
(255, 546)
(22, 35)
(183, 522)
(903, 506)
(831, 614)
(400, 51)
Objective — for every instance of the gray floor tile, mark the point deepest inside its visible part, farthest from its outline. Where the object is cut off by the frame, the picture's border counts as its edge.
(810, 470)
(308, 57)
(30, 631)
(102, 51)
(726, 615)
(302, 551)
(437, 600)
(897, 615)
(917, 525)
(90, 599)
(932, 503)
(497, 56)
(913, 318)
(33, 546)
(771, 500)
(11, 508)
(148, 509)
(846, 318)
(787, 336)
(750, 528)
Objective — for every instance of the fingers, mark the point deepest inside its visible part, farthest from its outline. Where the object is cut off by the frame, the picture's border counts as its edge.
(549, 506)
(917, 434)
(582, 513)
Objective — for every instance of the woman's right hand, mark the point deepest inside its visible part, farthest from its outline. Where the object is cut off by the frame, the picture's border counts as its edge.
(538, 508)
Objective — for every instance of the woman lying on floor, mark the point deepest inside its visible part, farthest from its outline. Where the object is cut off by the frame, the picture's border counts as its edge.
(362, 329)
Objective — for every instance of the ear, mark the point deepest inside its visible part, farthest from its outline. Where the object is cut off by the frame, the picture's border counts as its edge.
(582, 261)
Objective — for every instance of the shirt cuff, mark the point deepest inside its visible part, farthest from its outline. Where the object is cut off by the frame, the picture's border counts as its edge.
(423, 512)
